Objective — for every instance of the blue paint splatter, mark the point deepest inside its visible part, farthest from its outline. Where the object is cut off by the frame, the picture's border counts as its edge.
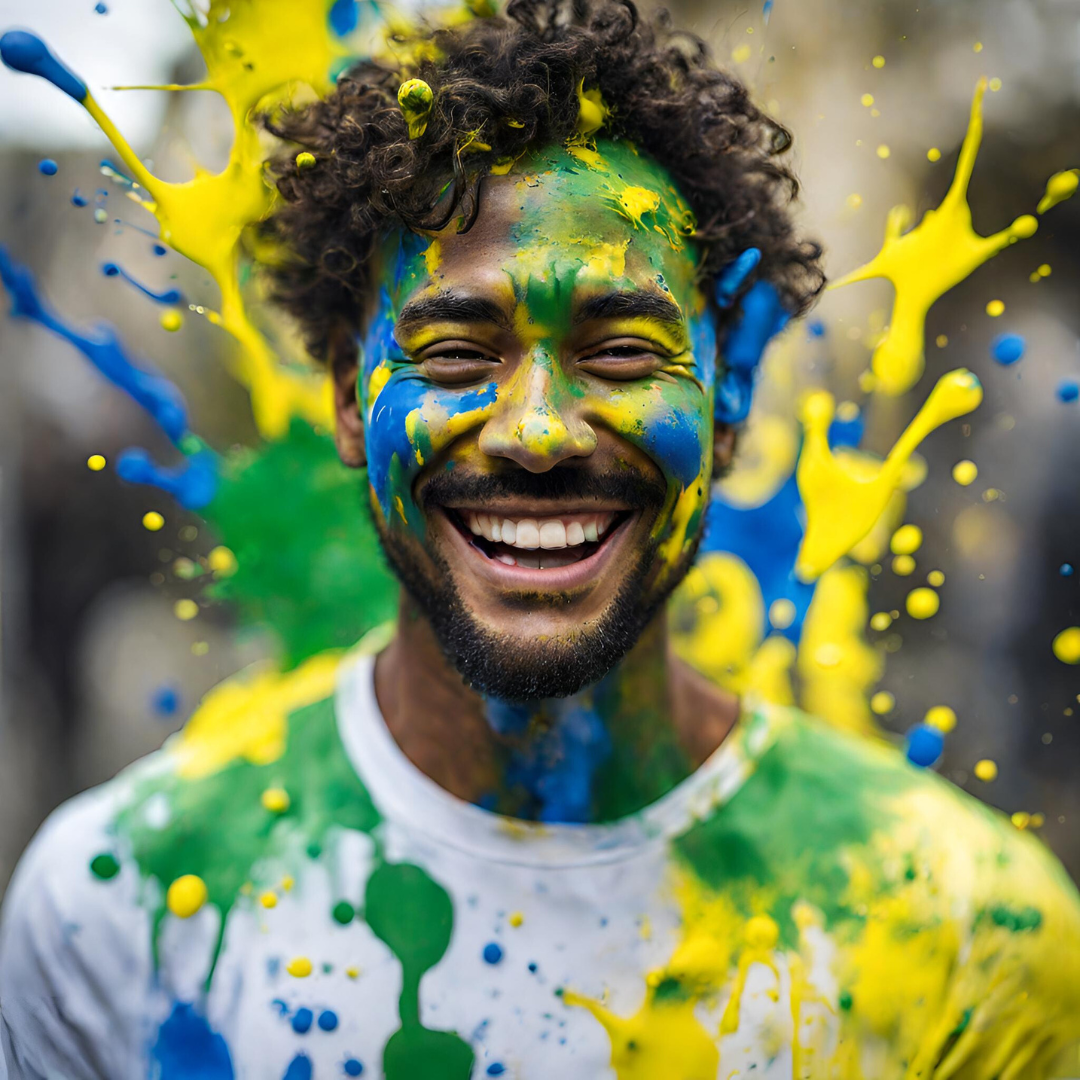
(1068, 390)
(192, 484)
(817, 328)
(77, 199)
(328, 1020)
(924, 745)
(732, 277)
(48, 167)
(1066, 570)
(496, 1068)
(159, 250)
(169, 296)
(187, 1047)
(761, 317)
(299, 1068)
(25, 52)
(344, 17)
(492, 953)
(101, 8)
(353, 1067)
(1007, 348)
(165, 700)
(302, 1020)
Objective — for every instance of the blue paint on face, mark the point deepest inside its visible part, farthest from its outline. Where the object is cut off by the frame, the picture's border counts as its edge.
(187, 1047)
(25, 52)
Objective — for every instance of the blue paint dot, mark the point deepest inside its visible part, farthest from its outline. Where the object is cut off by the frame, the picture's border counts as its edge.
(1068, 390)
(328, 1020)
(165, 700)
(110, 269)
(299, 1068)
(532, 966)
(924, 745)
(496, 1068)
(1007, 348)
(48, 167)
(301, 1021)
(344, 16)
(160, 249)
(101, 8)
(77, 199)
(492, 953)
(1066, 569)
(353, 1067)
(817, 328)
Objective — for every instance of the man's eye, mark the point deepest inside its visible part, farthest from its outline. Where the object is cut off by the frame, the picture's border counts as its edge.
(621, 362)
(458, 365)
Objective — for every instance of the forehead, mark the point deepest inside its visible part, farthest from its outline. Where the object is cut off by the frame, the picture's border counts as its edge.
(565, 220)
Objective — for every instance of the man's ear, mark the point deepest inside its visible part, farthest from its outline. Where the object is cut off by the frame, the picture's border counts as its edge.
(723, 449)
(349, 414)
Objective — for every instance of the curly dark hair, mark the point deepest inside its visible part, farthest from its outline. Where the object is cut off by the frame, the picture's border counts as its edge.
(515, 80)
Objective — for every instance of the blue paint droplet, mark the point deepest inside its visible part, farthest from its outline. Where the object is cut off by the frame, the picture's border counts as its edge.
(532, 966)
(25, 52)
(496, 1068)
(159, 250)
(328, 1020)
(353, 1067)
(925, 744)
(101, 8)
(1069, 390)
(187, 1047)
(1066, 569)
(817, 328)
(77, 199)
(1007, 348)
(165, 700)
(110, 269)
(344, 16)
(302, 1020)
(48, 167)
(492, 953)
(299, 1068)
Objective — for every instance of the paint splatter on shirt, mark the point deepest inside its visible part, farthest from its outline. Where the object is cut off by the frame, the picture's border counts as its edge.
(297, 900)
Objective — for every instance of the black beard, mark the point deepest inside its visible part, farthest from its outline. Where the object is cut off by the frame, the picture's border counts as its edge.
(498, 667)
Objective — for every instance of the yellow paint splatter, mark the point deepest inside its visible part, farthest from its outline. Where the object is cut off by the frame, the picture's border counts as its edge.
(880, 620)
(867, 100)
(883, 151)
(153, 521)
(416, 100)
(516, 919)
(276, 800)
(995, 308)
(965, 472)
(95, 462)
(1060, 186)
(842, 500)
(268, 900)
(592, 111)
(906, 540)
(933, 154)
(922, 603)
(986, 770)
(171, 320)
(1067, 645)
(633, 203)
(935, 578)
(882, 702)
(305, 159)
(186, 895)
(221, 561)
(299, 967)
(927, 261)
(941, 717)
(854, 201)
(741, 53)
(878, 62)
(185, 610)
(903, 565)
(781, 614)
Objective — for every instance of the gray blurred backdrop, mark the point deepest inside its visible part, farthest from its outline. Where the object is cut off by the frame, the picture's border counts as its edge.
(88, 633)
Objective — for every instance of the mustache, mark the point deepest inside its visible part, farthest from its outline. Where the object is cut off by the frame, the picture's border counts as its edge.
(629, 486)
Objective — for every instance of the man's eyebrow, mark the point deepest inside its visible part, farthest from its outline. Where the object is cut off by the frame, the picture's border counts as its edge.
(621, 305)
(452, 307)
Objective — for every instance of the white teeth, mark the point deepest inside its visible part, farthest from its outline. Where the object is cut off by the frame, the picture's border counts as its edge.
(496, 530)
(528, 534)
(552, 534)
(575, 534)
(509, 531)
(474, 523)
(590, 531)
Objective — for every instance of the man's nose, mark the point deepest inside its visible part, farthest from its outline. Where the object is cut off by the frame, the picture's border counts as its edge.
(537, 420)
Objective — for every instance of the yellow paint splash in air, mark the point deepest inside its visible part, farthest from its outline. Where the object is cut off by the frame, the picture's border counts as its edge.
(255, 55)
(927, 261)
(843, 501)
(247, 717)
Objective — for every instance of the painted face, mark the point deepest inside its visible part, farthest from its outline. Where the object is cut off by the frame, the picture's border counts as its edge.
(538, 397)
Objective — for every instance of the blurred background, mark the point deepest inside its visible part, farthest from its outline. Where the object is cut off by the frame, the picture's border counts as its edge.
(96, 669)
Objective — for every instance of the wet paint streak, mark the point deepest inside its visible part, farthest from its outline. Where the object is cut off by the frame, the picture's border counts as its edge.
(168, 296)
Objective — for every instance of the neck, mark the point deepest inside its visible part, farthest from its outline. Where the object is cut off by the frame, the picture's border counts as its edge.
(607, 751)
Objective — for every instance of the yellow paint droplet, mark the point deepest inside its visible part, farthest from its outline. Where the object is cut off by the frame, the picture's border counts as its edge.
(995, 308)
(1044, 270)
(882, 702)
(222, 561)
(1021, 819)
(352, 972)
(883, 151)
(268, 900)
(152, 521)
(185, 610)
(299, 967)
(276, 800)
(964, 472)
(781, 613)
(880, 620)
(933, 154)
(878, 61)
(95, 462)
(936, 578)
(1067, 645)
(287, 883)
(741, 53)
(304, 160)
(762, 932)
(941, 717)
(171, 320)
(906, 540)
(186, 896)
(941, 341)
(991, 495)
(922, 603)
(903, 565)
(1037, 821)
(867, 100)
(1059, 187)
(516, 918)
(854, 200)
(977, 47)
(200, 648)
(995, 84)
(986, 770)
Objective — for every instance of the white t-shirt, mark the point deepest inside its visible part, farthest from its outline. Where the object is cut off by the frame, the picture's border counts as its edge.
(804, 905)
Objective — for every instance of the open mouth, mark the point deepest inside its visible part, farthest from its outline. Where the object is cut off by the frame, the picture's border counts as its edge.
(538, 543)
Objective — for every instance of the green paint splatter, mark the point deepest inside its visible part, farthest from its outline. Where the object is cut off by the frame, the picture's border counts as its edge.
(414, 916)
(343, 912)
(104, 866)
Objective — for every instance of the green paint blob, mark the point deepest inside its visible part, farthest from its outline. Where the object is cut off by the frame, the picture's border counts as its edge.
(104, 866)
(343, 912)
(845, 1000)
(414, 916)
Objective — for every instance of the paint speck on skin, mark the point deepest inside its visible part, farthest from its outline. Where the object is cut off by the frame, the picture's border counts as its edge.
(496, 1068)
(986, 770)
(516, 918)
(492, 953)
(965, 472)
(165, 700)
(186, 896)
(101, 8)
(48, 167)
(883, 151)
(268, 900)
(299, 968)
(1067, 645)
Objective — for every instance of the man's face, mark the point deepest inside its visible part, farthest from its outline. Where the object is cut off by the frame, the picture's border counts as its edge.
(537, 396)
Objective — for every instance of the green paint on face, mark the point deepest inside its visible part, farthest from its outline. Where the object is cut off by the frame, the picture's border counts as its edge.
(414, 916)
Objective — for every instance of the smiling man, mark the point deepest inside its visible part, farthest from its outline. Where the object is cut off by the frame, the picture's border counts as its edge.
(522, 839)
